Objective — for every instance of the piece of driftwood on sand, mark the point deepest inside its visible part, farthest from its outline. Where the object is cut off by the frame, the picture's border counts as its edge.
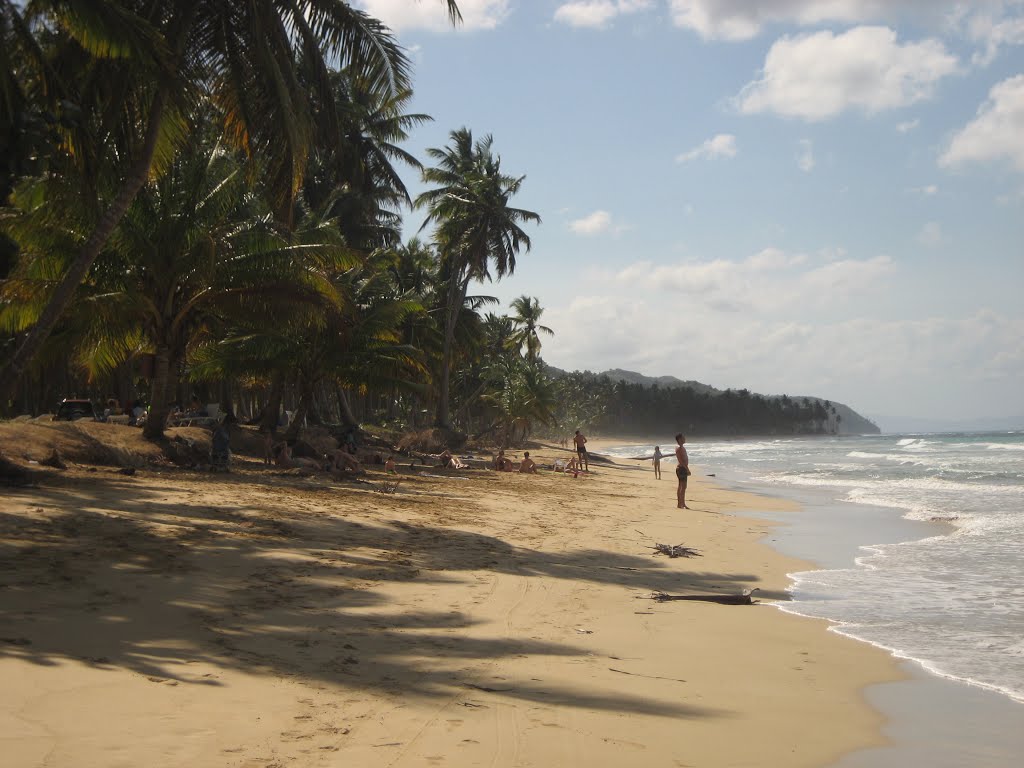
(675, 550)
(741, 599)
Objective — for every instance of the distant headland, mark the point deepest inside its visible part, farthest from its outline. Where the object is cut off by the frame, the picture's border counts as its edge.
(621, 400)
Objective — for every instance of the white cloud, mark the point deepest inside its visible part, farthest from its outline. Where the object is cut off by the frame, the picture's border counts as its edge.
(722, 145)
(873, 364)
(402, 15)
(928, 190)
(996, 133)
(907, 126)
(771, 280)
(594, 224)
(744, 19)
(931, 235)
(995, 32)
(597, 13)
(821, 75)
(805, 156)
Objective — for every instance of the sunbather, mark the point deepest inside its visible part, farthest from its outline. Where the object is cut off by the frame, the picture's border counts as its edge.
(450, 462)
(528, 465)
(341, 460)
(284, 459)
(502, 463)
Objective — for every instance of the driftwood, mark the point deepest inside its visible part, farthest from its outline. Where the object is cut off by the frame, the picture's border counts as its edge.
(741, 599)
(675, 550)
(672, 550)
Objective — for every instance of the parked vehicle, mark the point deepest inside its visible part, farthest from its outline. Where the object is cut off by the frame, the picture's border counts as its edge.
(73, 409)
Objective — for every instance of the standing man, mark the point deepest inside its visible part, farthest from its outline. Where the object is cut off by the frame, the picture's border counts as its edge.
(682, 471)
(580, 441)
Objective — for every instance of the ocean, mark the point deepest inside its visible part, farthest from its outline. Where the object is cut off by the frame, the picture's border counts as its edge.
(949, 596)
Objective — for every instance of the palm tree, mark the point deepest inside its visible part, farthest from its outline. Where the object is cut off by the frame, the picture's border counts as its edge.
(241, 56)
(527, 322)
(475, 226)
(194, 245)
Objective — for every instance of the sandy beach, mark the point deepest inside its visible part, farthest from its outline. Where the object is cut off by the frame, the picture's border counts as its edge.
(261, 618)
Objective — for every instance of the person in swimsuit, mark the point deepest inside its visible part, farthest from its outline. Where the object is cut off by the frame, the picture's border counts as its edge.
(657, 462)
(528, 465)
(682, 471)
(580, 441)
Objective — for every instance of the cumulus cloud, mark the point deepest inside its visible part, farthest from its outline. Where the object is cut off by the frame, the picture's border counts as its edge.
(744, 19)
(597, 13)
(997, 133)
(820, 75)
(402, 15)
(874, 364)
(595, 223)
(771, 280)
(722, 145)
(995, 32)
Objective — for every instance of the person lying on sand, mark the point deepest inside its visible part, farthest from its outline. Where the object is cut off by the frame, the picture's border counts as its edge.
(528, 465)
(341, 460)
(450, 462)
(284, 459)
(502, 463)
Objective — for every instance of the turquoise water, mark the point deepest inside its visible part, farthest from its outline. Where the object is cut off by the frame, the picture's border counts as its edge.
(952, 602)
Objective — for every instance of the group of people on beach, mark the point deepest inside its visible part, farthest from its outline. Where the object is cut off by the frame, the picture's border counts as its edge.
(344, 459)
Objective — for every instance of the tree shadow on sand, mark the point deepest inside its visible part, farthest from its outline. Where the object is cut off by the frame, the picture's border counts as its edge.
(155, 587)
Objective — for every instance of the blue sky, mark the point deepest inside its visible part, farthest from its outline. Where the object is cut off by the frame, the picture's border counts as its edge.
(794, 196)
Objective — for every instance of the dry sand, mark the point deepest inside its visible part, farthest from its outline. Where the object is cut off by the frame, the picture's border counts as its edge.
(473, 618)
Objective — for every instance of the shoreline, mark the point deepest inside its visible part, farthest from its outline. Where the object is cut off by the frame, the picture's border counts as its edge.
(499, 619)
(932, 718)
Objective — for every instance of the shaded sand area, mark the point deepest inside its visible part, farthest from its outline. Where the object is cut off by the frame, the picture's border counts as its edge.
(473, 618)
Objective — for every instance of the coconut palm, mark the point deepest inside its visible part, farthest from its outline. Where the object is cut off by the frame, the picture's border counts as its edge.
(527, 326)
(475, 228)
(241, 56)
(195, 244)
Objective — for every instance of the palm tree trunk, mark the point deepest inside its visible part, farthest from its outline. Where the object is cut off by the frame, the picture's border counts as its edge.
(457, 288)
(272, 411)
(158, 405)
(345, 410)
(65, 291)
(305, 403)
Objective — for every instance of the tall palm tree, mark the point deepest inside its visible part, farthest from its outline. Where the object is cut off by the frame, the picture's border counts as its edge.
(475, 227)
(528, 328)
(243, 57)
(194, 244)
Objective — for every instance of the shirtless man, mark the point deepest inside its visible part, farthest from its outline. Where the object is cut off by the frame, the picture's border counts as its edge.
(580, 441)
(682, 471)
(502, 463)
(528, 465)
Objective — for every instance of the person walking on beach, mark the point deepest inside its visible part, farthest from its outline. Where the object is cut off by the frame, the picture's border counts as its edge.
(682, 471)
(657, 462)
(580, 441)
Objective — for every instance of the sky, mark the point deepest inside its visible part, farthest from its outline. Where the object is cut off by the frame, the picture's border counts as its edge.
(803, 197)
